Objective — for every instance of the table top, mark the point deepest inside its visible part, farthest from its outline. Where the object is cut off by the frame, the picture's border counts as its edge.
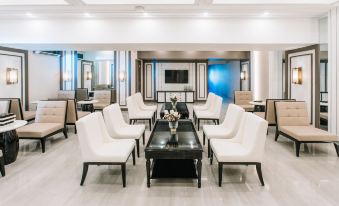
(15, 125)
(188, 141)
(181, 109)
(88, 102)
(261, 103)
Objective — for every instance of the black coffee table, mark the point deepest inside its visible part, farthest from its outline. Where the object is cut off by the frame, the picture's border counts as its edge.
(181, 159)
(181, 108)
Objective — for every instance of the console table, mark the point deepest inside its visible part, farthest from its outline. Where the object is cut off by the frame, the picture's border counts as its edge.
(182, 96)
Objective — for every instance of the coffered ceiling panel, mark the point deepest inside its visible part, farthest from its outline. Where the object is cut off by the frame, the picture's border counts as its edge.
(139, 2)
(274, 1)
(33, 2)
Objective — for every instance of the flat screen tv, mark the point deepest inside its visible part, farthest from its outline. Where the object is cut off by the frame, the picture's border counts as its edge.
(176, 76)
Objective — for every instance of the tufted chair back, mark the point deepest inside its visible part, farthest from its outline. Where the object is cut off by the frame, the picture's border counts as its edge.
(270, 109)
(243, 97)
(81, 94)
(292, 114)
(63, 94)
(51, 112)
(103, 96)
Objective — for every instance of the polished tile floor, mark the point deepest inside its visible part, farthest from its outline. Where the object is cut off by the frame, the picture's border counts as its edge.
(53, 179)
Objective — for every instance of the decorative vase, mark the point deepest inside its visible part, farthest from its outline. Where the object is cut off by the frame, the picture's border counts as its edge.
(173, 127)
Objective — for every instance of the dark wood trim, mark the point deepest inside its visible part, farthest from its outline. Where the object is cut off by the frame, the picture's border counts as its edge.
(316, 83)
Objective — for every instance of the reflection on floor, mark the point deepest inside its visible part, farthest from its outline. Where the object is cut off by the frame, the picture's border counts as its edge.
(53, 179)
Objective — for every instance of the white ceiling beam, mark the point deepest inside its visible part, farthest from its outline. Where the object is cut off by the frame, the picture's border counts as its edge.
(76, 2)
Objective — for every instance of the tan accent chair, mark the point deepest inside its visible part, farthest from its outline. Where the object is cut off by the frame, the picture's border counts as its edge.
(66, 94)
(16, 108)
(81, 94)
(243, 98)
(104, 98)
(50, 119)
(269, 114)
(293, 123)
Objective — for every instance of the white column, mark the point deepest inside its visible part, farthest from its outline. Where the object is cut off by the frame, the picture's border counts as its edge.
(333, 75)
(260, 74)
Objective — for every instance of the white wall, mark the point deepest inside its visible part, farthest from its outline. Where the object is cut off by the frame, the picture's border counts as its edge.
(43, 75)
(276, 74)
(135, 32)
(160, 69)
(260, 74)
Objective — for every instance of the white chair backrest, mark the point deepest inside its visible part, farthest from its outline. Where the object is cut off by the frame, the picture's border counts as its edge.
(113, 119)
(210, 99)
(254, 135)
(4, 106)
(132, 106)
(233, 118)
(138, 99)
(92, 134)
(216, 105)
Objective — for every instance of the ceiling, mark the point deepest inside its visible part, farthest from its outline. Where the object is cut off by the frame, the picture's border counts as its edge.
(164, 8)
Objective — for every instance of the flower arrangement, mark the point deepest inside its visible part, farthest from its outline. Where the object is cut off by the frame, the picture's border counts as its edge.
(174, 102)
(172, 116)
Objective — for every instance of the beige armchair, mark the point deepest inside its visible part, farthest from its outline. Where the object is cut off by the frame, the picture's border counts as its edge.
(293, 123)
(50, 119)
(81, 94)
(16, 108)
(104, 98)
(243, 98)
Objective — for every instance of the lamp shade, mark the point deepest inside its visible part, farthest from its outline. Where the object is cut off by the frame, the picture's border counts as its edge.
(88, 75)
(67, 77)
(297, 75)
(12, 76)
(243, 75)
(122, 76)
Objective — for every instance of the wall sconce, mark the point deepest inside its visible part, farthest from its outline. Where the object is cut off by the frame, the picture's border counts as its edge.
(297, 75)
(122, 76)
(67, 77)
(12, 76)
(88, 75)
(243, 75)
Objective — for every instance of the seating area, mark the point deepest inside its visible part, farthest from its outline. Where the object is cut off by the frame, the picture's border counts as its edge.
(169, 102)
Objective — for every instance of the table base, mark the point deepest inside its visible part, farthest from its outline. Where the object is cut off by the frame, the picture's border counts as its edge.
(169, 168)
(9, 143)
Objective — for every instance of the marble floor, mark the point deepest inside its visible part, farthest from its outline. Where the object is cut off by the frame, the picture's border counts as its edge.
(53, 178)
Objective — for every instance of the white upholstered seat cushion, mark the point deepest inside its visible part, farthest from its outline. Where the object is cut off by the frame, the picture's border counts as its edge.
(217, 131)
(229, 151)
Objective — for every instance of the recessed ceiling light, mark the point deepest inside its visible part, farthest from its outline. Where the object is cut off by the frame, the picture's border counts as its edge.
(205, 14)
(30, 15)
(266, 14)
(88, 15)
(146, 14)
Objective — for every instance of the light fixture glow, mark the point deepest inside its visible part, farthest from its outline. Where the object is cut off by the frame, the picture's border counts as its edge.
(297, 75)
(122, 76)
(12, 76)
(30, 15)
(266, 14)
(88, 75)
(243, 75)
(88, 15)
(146, 14)
(66, 77)
(205, 14)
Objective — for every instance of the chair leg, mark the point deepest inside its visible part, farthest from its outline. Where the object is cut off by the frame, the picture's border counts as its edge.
(258, 167)
(203, 138)
(211, 156)
(123, 171)
(75, 129)
(130, 121)
(2, 166)
(43, 144)
(84, 173)
(218, 121)
(65, 133)
(297, 148)
(220, 173)
(276, 135)
(150, 124)
(133, 156)
(138, 146)
(208, 148)
(143, 138)
(336, 148)
(198, 124)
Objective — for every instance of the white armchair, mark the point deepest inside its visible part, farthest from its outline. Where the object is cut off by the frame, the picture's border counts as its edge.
(119, 129)
(2, 164)
(98, 148)
(227, 129)
(142, 105)
(135, 114)
(247, 149)
(207, 104)
(213, 113)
